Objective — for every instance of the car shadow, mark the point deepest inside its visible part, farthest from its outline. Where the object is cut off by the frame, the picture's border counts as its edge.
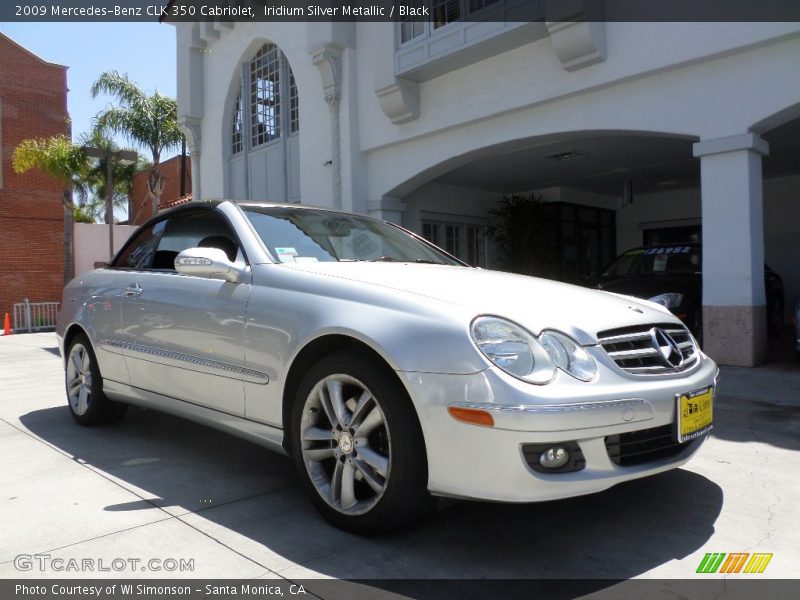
(184, 467)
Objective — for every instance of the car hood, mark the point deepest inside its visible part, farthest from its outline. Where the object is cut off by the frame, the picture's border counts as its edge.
(647, 287)
(535, 303)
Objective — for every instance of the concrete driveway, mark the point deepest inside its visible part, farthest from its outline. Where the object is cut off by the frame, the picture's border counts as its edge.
(156, 487)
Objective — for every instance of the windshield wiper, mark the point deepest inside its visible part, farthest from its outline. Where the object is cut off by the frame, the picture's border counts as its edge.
(393, 259)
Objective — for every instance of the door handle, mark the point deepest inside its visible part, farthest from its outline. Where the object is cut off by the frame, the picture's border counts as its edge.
(133, 291)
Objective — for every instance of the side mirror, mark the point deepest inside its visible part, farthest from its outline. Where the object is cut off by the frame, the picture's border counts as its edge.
(211, 263)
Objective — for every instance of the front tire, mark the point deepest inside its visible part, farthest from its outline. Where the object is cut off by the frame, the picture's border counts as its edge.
(84, 385)
(358, 446)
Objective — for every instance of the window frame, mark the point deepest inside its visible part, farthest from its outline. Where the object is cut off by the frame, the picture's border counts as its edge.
(286, 121)
(237, 141)
(267, 61)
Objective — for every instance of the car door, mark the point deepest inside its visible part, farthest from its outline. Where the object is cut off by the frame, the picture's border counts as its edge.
(107, 301)
(184, 334)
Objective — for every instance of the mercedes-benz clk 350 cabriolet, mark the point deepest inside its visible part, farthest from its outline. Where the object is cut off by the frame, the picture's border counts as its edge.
(388, 370)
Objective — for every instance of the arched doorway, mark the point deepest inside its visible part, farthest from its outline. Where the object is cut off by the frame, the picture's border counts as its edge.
(264, 141)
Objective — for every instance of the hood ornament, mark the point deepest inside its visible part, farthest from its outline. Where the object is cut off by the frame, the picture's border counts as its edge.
(667, 347)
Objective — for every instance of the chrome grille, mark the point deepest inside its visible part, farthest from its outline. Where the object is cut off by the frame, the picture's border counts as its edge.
(635, 349)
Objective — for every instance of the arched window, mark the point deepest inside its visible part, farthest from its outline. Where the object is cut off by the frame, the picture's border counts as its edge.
(294, 109)
(265, 123)
(238, 124)
(265, 94)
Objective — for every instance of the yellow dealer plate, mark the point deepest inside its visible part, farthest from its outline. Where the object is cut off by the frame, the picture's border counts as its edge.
(695, 413)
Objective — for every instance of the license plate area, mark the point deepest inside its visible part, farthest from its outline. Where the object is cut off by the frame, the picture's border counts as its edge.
(695, 413)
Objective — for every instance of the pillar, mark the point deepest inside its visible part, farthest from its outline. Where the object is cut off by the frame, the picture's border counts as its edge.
(734, 302)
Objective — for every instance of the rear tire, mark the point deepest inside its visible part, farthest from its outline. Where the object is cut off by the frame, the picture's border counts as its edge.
(84, 386)
(358, 446)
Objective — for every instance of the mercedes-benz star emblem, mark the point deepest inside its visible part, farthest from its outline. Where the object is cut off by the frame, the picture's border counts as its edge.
(667, 347)
(345, 443)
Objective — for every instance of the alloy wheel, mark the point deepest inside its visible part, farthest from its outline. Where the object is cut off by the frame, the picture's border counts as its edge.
(345, 444)
(79, 379)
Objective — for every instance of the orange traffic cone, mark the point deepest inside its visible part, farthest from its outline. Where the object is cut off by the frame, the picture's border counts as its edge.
(7, 325)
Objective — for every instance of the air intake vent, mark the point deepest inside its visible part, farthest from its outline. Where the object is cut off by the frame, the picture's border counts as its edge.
(646, 445)
(651, 349)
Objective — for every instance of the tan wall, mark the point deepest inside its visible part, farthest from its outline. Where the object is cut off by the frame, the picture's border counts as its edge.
(91, 243)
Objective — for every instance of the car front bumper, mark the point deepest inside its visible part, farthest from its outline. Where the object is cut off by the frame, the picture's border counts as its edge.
(488, 463)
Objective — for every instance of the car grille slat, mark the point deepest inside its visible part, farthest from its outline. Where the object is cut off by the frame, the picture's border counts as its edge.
(646, 445)
(645, 335)
(632, 353)
(633, 350)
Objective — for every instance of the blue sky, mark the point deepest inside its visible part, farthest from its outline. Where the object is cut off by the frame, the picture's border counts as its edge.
(145, 51)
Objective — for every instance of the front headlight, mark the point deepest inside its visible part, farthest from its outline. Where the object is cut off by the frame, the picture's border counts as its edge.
(568, 355)
(523, 355)
(671, 300)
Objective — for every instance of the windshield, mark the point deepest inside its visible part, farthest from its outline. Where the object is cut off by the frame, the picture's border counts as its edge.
(665, 260)
(309, 235)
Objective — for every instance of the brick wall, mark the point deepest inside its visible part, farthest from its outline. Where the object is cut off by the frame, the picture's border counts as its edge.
(141, 208)
(33, 103)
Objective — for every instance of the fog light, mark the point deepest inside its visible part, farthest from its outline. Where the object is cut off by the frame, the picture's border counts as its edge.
(554, 458)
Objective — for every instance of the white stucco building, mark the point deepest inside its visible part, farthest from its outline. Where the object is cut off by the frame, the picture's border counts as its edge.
(647, 130)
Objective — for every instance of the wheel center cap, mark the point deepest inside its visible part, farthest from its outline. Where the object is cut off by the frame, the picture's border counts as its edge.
(346, 442)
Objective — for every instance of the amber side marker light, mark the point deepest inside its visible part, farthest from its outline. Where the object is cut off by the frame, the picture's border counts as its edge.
(473, 416)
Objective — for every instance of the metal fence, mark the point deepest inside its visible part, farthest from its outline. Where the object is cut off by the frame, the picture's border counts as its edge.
(35, 316)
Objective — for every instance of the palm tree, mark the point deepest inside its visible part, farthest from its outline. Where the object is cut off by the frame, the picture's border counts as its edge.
(122, 175)
(148, 121)
(64, 161)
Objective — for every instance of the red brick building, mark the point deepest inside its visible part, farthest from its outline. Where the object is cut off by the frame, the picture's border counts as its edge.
(176, 170)
(33, 103)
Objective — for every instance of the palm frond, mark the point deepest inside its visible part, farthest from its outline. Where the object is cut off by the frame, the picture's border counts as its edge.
(119, 86)
(56, 156)
(147, 121)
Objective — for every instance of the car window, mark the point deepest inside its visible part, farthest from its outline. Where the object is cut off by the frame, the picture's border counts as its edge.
(138, 253)
(309, 235)
(192, 230)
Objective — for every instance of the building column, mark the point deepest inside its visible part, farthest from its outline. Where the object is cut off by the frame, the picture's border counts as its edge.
(388, 209)
(192, 47)
(734, 302)
(191, 127)
(329, 60)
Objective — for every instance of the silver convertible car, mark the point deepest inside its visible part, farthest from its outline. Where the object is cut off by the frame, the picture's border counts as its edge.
(388, 370)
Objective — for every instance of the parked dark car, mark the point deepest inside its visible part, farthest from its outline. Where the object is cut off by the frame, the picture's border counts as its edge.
(671, 275)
